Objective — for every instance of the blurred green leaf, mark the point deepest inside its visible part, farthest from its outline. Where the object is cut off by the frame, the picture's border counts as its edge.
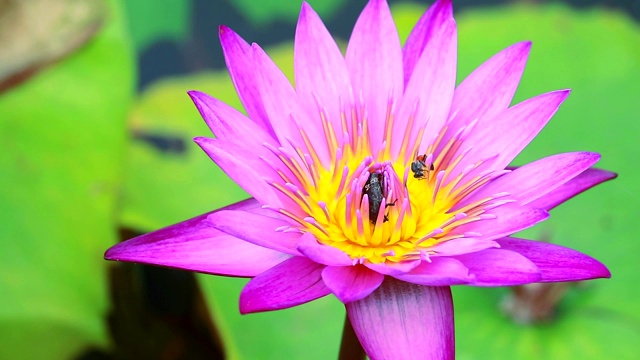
(169, 178)
(150, 21)
(62, 136)
(309, 331)
(270, 10)
(596, 53)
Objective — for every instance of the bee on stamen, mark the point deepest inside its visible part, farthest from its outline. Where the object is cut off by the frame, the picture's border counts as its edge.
(373, 188)
(419, 167)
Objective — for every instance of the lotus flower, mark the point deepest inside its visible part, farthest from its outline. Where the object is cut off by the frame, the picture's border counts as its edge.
(377, 180)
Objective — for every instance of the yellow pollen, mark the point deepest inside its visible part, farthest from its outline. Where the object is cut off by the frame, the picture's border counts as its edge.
(378, 209)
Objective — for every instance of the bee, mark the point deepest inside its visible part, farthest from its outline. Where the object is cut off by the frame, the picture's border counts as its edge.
(373, 188)
(419, 166)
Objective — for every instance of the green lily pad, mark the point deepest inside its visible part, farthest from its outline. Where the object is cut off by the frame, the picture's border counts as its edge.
(62, 134)
(595, 53)
(309, 331)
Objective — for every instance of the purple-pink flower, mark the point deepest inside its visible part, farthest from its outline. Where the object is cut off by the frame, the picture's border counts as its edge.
(377, 180)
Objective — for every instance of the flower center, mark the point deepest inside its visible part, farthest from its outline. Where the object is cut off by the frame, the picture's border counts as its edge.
(373, 206)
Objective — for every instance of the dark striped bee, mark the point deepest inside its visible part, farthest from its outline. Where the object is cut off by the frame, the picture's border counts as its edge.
(374, 190)
(418, 167)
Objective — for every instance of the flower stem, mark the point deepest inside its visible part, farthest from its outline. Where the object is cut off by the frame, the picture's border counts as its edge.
(350, 348)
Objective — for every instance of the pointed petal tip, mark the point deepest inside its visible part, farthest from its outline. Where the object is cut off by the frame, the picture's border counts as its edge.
(564, 92)
(522, 47)
(202, 140)
(525, 45)
(111, 254)
(304, 8)
(224, 30)
(118, 252)
(606, 273)
(244, 305)
(196, 95)
(592, 156)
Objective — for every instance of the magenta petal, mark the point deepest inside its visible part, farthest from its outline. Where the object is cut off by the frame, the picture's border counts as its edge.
(239, 58)
(351, 283)
(293, 282)
(509, 219)
(323, 254)
(498, 76)
(228, 123)
(405, 321)
(393, 269)
(573, 187)
(507, 133)
(282, 106)
(428, 94)
(257, 229)
(248, 172)
(196, 246)
(462, 246)
(441, 271)
(374, 60)
(499, 267)
(557, 263)
(322, 79)
(531, 181)
(422, 34)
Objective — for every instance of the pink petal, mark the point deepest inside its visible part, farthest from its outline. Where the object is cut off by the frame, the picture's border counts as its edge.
(557, 263)
(498, 267)
(428, 94)
(374, 60)
(393, 269)
(499, 76)
(462, 246)
(246, 170)
(256, 229)
(509, 219)
(441, 271)
(323, 254)
(195, 246)
(239, 58)
(229, 124)
(430, 23)
(507, 133)
(573, 187)
(534, 180)
(293, 282)
(405, 321)
(320, 69)
(282, 107)
(351, 283)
